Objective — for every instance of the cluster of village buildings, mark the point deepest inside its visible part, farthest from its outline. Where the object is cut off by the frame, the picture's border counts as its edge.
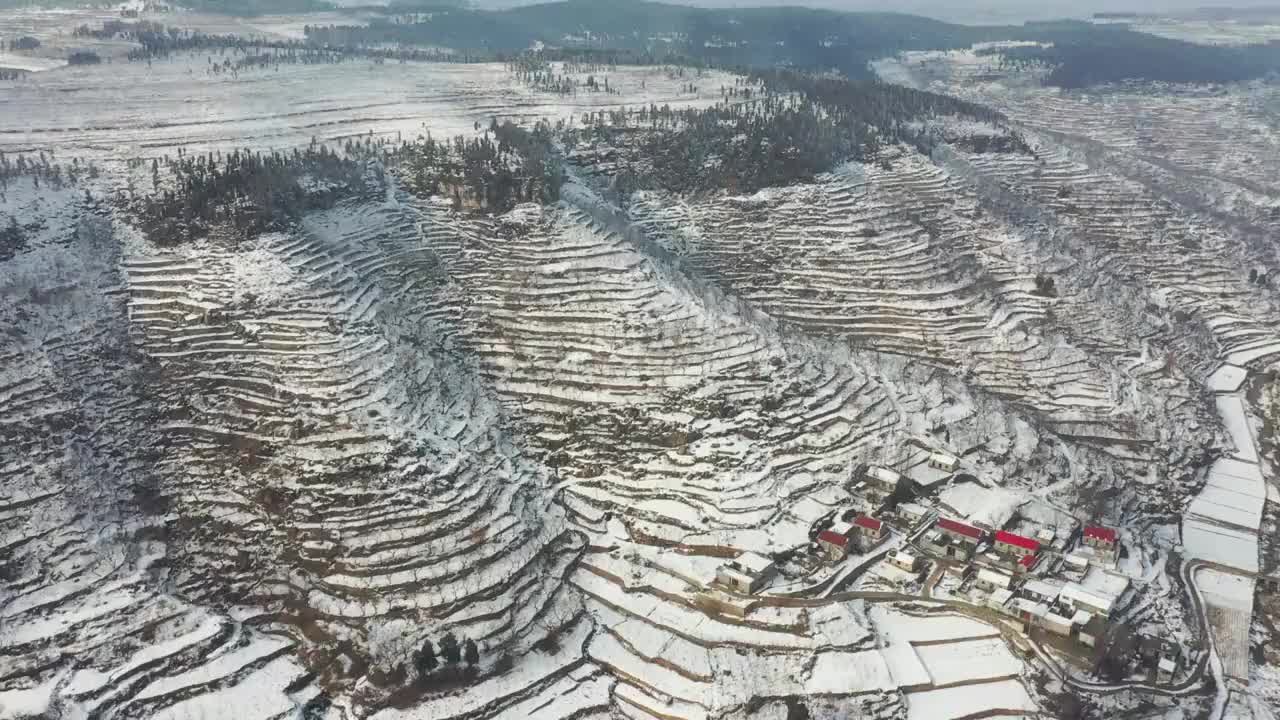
(1062, 586)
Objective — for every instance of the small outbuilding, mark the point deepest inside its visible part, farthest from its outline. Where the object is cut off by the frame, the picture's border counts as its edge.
(904, 560)
(944, 462)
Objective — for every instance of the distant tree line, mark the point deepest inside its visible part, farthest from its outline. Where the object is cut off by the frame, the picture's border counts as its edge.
(26, 42)
(84, 57)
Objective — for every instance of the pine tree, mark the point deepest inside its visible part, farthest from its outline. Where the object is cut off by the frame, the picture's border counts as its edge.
(472, 652)
(450, 649)
(427, 660)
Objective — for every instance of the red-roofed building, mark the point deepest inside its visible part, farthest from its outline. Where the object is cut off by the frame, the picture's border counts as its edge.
(1026, 562)
(1100, 538)
(1011, 544)
(870, 530)
(835, 540)
(959, 531)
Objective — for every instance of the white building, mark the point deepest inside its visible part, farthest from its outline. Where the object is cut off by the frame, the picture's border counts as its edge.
(990, 580)
(1041, 591)
(999, 601)
(904, 560)
(883, 479)
(912, 513)
(944, 462)
(1078, 597)
(746, 573)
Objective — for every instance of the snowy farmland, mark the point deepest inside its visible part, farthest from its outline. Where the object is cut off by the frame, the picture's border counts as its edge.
(256, 476)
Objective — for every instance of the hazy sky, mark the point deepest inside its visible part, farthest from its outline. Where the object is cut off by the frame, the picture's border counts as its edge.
(974, 11)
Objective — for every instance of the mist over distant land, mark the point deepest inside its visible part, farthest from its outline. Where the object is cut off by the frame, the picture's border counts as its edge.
(964, 11)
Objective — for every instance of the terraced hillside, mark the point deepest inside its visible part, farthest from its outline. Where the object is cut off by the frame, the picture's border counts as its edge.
(83, 517)
(905, 258)
(339, 465)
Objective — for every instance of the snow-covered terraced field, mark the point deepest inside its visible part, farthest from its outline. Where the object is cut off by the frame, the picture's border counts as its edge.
(906, 261)
(81, 528)
(349, 470)
(648, 396)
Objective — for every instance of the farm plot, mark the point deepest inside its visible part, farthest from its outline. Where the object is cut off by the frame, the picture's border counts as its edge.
(125, 109)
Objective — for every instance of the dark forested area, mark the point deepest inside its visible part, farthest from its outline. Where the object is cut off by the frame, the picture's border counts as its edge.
(749, 37)
(778, 128)
(245, 192)
(507, 165)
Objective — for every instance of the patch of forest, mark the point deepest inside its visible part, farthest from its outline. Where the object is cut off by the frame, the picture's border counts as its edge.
(1083, 55)
(494, 172)
(246, 193)
(776, 128)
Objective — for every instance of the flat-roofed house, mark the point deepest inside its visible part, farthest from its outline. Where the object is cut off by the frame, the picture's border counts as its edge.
(990, 580)
(1076, 596)
(1057, 624)
(904, 560)
(1041, 590)
(944, 462)
(746, 573)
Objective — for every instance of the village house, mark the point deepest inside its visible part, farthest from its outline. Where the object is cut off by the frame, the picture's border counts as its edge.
(746, 574)
(1025, 563)
(952, 539)
(1100, 539)
(1017, 545)
(944, 462)
(1029, 611)
(959, 531)
(999, 600)
(905, 561)
(1041, 590)
(911, 513)
(1078, 597)
(1076, 562)
(990, 580)
(882, 481)
(869, 531)
(834, 542)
